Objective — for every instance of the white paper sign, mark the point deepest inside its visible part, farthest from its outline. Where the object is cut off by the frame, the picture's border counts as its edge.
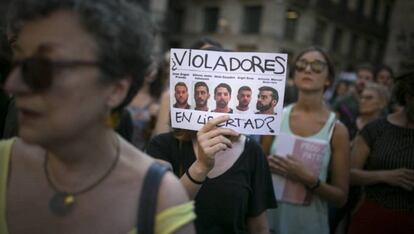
(247, 86)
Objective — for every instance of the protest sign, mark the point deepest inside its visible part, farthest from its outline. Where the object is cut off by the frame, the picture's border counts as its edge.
(247, 86)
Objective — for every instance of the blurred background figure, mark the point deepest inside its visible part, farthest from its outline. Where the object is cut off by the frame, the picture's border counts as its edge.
(384, 76)
(145, 106)
(383, 162)
(342, 89)
(372, 103)
(347, 107)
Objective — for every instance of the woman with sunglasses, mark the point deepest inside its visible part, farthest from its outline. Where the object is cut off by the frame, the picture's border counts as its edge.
(383, 162)
(77, 62)
(310, 118)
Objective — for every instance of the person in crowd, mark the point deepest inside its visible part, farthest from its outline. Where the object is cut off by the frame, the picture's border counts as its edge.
(342, 89)
(73, 67)
(222, 96)
(201, 96)
(347, 108)
(267, 100)
(181, 96)
(310, 118)
(226, 173)
(244, 96)
(374, 98)
(383, 162)
(144, 107)
(384, 76)
(372, 104)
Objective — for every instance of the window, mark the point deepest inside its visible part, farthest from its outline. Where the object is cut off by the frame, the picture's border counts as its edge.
(211, 15)
(337, 40)
(387, 14)
(320, 32)
(353, 42)
(291, 24)
(367, 50)
(176, 20)
(360, 7)
(374, 9)
(252, 19)
(144, 4)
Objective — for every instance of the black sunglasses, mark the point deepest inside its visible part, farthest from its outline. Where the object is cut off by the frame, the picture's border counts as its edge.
(38, 72)
(317, 66)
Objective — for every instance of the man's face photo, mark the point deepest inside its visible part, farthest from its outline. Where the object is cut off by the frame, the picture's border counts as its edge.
(201, 96)
(265, 101)
(244, 97)
(181, 94)
(222, 97)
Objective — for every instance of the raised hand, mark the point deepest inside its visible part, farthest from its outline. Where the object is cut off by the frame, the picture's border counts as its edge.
(211, 139)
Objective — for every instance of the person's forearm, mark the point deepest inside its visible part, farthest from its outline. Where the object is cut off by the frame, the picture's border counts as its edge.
(258, 224)
(364, 177)
(332, 194)
(197, 173)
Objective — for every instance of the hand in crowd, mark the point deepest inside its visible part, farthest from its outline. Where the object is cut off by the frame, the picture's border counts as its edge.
(211, 139)
(291, 168)
(401, 177)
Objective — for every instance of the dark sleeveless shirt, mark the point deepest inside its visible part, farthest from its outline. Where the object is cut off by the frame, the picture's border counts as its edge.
(391, 147)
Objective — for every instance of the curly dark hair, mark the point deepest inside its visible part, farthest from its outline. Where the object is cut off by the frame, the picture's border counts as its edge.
(122, 30)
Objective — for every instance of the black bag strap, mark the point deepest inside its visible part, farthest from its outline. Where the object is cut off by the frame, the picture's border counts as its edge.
(148, 200)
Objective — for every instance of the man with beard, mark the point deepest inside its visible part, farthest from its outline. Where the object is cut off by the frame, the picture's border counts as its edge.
(181, 96)
(222, 95)
(267, 100)
(201, 96)
(244, 95)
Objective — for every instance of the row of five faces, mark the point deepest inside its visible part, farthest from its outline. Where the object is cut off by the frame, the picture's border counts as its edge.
(267, 98)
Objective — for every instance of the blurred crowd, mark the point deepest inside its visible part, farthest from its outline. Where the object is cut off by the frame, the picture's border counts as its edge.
(364, 114)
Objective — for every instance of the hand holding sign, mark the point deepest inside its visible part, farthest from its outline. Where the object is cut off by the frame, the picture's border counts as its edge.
(211, 139)
(291, 168)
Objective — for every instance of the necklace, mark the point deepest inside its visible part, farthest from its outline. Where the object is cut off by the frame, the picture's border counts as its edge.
(62, 202)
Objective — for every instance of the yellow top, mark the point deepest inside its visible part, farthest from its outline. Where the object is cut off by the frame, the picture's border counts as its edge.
(167, 221)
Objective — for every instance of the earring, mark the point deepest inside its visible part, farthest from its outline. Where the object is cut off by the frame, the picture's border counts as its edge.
(112, 120)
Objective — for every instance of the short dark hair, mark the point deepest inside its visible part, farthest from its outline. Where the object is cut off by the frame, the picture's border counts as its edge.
(201, 83)
(181, 84)
(247, 88)
(275, 94)
(122, 30)
(383, 67)
(365, 66)
(329, 62)
(223, 85)
(404, 85)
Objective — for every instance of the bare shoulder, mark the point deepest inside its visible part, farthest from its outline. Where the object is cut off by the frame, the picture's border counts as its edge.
(340, 133)
(171, 192)
(134, 160)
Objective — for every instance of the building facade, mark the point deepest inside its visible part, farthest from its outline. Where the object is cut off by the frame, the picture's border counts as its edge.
(351, 30)
(400, 47)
